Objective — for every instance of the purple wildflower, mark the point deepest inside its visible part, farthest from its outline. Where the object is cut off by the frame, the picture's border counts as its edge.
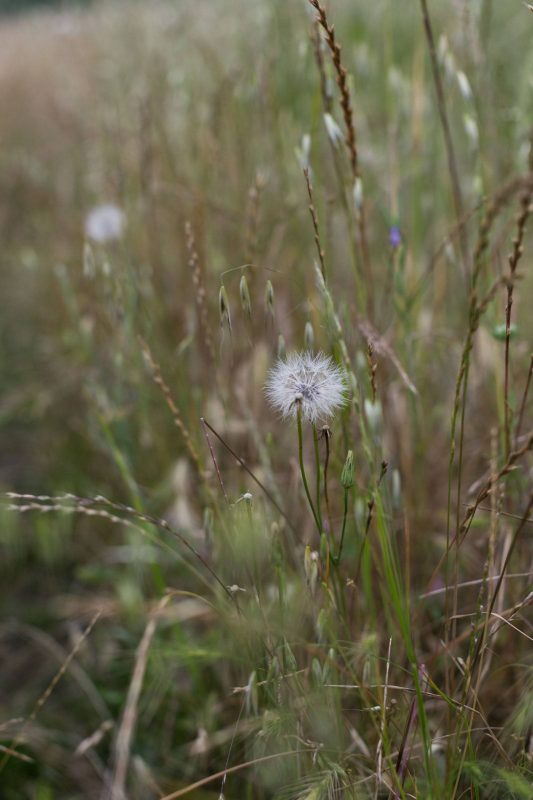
(395, 236)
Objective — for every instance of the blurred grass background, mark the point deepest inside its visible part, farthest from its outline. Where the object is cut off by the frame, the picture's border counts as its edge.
(196, 111)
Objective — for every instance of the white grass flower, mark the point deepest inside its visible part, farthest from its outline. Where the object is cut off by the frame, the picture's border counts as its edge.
(312, 382)
(105, 223)
(334, 132)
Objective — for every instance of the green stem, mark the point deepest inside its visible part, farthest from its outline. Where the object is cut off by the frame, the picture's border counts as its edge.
(345, 516)
(317, 467)
(302, 468)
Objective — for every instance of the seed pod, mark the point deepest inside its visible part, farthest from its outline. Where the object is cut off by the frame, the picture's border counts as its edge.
(290, 660)
(223, 307)
(252, 703)
(334, 132)
(309, 337)
(373, 414)
(282, 349)
(358, 193)
(464, 85)
(347, 471)
(244, 292)
(89, 262)
(311, 568)
(396, 488)
(269, 300)
(316, 672)
(472, 130)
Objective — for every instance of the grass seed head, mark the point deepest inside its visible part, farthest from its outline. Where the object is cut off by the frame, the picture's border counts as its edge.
(223, 307)
(347, 471)
(269, 300)
(244, 293)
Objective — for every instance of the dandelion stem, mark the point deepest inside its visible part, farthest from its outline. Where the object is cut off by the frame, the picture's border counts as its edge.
(302, 467)
(343, 531)
(327, 434)
(317, 466)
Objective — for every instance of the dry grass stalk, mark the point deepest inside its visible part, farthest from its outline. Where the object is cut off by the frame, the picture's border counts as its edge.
(314, 219)
(78, 503)
(201, 295)
(214, 460)
(351, 138)
(158, 379)
(514, 258)
(342, 83)
(372, 369)
(493, 480)
(252, 218)
(127, 726)
(523, 403)
(49, 689)
(327, 100)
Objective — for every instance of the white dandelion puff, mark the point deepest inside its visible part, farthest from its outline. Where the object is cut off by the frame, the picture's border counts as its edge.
(310, 382)
(105, 223)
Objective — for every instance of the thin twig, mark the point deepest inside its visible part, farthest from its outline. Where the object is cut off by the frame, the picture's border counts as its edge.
(514, 258)
(523, 403)
(157, 376)
(251, 474)
(214, 460)
(49, 689)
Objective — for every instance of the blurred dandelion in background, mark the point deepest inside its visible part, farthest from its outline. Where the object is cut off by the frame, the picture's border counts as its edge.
(312, 382)
(105, 223)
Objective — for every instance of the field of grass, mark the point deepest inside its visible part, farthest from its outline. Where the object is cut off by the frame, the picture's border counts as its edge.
(199, 597)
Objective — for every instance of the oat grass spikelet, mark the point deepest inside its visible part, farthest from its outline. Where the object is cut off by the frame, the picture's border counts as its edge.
(312, 383)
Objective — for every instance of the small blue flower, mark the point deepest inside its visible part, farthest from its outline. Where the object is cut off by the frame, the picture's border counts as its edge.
(395, 236)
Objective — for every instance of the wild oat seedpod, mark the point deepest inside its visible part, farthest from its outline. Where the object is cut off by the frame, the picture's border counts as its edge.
(244, 292)
(309, 337)
(358, 193)
(347, 471)
(269, 299)
(464, 85)
(311, 568)
(472, 130)
(223, 307)
(334, 132)
(311, 384)
(89, 263)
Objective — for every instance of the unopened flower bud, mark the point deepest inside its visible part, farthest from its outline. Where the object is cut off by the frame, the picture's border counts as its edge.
(347, 471)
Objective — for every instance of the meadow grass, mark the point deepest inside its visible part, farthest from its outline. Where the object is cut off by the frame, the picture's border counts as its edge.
(199, 597)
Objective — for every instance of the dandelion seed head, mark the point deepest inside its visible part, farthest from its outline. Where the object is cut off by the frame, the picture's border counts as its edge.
(310, 382)
(105, 223)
